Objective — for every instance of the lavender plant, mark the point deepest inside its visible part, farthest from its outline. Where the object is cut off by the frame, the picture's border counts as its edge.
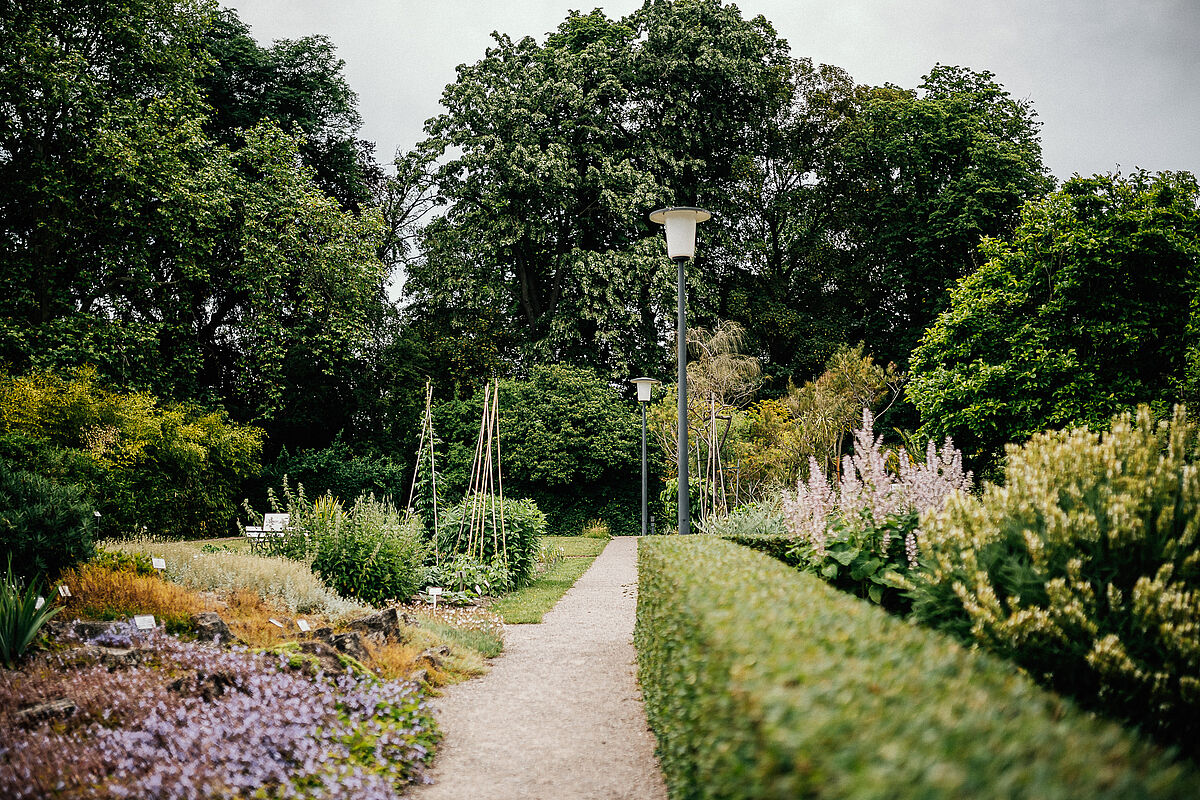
(861, 534)
(197, 721)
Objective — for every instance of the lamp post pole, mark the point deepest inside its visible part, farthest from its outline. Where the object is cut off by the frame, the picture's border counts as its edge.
(684, 496)
(680, 224)
(644, 385)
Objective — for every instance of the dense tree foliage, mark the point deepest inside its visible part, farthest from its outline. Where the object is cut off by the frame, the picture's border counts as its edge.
(145, 234)
(299, 85)
(916, 179)
(842, 213)
(568, 441)
(1089, 309)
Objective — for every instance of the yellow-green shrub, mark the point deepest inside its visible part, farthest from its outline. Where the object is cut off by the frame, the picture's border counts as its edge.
(762, 682)
(1083, 568)
(173, 469)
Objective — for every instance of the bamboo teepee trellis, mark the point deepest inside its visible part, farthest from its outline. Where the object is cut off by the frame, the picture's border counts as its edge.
(426, 447)
(485, 493)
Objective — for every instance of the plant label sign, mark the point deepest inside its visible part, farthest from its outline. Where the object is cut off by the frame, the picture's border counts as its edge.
(64, 590)
(275, 622)
(434, 591)
(303, 625)
(144, 622)
(159, 563)
(41, 601)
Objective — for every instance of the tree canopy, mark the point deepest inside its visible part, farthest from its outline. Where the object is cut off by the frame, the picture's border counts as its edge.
(1087, 310)
(842, 213)
(147, 235)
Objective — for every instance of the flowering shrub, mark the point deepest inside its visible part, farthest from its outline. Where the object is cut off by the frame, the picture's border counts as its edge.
(197, 721)
(1084, 569)
(861, 534)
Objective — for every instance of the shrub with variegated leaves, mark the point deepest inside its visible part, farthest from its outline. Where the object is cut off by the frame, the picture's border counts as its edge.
(1084, 569)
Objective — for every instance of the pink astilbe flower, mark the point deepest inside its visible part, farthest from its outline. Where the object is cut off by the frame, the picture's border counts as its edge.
(805, 512)
(869, 489)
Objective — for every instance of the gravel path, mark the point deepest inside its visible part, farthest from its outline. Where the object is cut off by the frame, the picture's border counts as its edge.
(560, 714)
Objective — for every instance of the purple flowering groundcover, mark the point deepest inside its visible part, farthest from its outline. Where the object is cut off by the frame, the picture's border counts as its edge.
(197, 721)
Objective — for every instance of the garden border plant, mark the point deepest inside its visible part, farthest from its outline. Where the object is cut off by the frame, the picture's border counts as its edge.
(1083, 568)
(761, 682)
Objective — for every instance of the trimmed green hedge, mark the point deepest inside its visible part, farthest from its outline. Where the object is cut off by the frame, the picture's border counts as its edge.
(779, 546)
(761, 682)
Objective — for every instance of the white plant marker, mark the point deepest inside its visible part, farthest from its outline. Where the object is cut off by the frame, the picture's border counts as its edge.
(144, 622)
(275, 622)
(303, 625)
(159, 563)
(41, 601)
(64, 590)
(434, 591)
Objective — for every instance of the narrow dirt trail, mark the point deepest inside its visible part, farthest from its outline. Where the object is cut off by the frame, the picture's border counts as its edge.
(560, 714)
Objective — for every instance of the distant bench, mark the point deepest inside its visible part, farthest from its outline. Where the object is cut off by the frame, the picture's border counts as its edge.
(273, 525)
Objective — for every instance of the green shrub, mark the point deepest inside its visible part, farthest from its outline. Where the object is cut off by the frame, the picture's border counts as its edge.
(20, 617)
(1084, 569)
(370, 553)
(762, 682)
(119, 560)
(174, 470)
(758, 526)
(44, 527)
(517, 541)
(339, 471)
(467, 578)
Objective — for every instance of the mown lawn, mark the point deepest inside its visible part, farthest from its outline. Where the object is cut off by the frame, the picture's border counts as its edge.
(529, 604)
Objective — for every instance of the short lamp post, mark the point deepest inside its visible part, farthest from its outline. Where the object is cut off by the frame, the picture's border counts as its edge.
(644, 386)
(680, 223)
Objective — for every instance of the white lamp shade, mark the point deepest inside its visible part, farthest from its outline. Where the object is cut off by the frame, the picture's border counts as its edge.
(680, 222)
(644, 385)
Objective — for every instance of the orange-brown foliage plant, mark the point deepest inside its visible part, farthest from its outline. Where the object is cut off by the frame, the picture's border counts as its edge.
(101, 593)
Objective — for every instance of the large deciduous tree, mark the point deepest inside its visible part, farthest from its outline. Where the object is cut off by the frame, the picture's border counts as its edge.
(842, 213)
(1089, 309)
(563, 149)
(915, 180)
(298, 84)
(134, 241)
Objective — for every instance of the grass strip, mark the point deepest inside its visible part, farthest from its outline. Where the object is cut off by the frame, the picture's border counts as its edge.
(529, 604)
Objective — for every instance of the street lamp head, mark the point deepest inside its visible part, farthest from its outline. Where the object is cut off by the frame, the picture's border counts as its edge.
(644, 385)
(680, 222)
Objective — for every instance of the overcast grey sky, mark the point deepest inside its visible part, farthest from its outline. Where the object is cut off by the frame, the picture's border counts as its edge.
(1116, 84)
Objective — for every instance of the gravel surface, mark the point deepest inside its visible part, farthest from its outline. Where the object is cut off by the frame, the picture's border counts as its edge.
(560, 714)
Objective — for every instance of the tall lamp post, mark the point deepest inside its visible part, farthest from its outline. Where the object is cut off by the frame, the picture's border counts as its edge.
(680, 223)
(644, 385)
